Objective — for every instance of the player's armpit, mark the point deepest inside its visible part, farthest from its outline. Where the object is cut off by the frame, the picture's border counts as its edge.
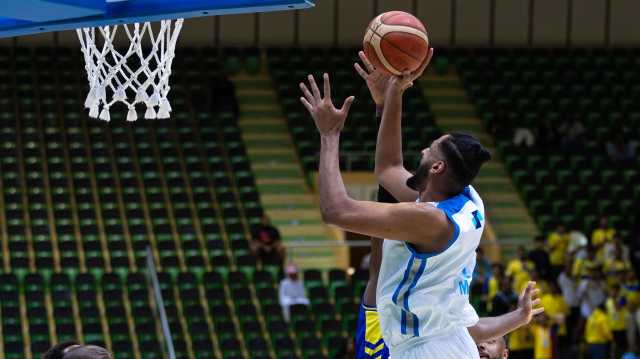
(421, 224)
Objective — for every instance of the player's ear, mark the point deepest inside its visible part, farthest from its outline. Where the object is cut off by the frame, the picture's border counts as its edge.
(438, 167)
(505, 354)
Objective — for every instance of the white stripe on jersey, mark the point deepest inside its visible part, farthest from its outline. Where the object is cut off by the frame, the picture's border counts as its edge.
(420, 295)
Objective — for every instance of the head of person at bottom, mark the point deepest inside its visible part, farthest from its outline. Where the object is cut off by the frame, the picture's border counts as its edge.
(494, 349)
(75, 350)
(449, 164)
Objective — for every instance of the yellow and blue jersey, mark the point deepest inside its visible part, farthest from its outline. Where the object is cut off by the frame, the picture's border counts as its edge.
(369, 342)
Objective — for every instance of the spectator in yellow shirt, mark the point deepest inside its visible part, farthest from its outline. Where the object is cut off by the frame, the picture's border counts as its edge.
(586, 267)
(557, 310)
(541, 330)
(598, 334)
(558, 241)
(616, 268)
(521, 343)
(518, 269)
(602, 234)
(618, 316)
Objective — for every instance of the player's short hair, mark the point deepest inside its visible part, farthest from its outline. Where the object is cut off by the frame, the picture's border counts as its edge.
(63, 351)
(465, 155)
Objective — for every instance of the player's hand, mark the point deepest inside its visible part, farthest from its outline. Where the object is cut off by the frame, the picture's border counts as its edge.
(376, 80)
(528, 303)
(399, 84)
(328, 119)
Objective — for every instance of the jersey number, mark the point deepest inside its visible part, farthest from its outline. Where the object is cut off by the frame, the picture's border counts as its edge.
(477, 219)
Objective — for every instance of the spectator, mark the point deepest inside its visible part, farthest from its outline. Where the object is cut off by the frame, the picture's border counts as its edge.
(523, 137)
(586, 267)
(75, 350)
(557, 310)
(591, 292)
(483, 266)
(494, 284)
(620, 151)
(578, 243)
(505, 300)
(558, 241)
(494, 349)
(291, 291)
(618, 318)
(541, 331)
(540, 257)
(598, 333)
(266, 243)
(518, 269)
(602, 235)
(569, 287)
(617, 266)
(521, 343)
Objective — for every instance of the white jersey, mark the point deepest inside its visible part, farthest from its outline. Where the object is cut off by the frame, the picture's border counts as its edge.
(426, 295)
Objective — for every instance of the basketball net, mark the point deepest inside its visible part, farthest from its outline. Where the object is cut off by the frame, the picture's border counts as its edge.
(139, 75)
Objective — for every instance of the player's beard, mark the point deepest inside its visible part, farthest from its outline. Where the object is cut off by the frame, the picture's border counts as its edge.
(418, 182)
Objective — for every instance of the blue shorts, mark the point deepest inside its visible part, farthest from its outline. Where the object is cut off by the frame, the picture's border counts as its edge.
(369, 342)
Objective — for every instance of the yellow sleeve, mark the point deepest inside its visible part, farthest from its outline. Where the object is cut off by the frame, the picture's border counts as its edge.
(577, 267)
(597, 237)
(552, 240)
(606, 330)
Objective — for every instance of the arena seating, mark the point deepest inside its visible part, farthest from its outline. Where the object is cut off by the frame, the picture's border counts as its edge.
(535, 88)
(83, 200)
(289, 66)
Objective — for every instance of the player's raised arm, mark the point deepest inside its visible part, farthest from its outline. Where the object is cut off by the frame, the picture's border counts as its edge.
(389, 167)
(420, 224)
(494, 327)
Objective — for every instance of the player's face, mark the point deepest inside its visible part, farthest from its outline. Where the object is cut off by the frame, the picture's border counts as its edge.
(429, 156)
(493, 349)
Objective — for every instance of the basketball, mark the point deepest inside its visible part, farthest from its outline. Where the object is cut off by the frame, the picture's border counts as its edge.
(396, 42)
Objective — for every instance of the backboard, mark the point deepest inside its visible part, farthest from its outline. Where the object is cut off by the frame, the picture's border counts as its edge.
(24, 17)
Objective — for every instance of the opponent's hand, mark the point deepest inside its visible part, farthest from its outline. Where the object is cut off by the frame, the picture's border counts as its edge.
(376, 80)
(528, 302)
(400, 83)
(328, 119)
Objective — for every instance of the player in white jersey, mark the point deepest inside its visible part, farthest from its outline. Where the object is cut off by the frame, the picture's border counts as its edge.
(434, 228)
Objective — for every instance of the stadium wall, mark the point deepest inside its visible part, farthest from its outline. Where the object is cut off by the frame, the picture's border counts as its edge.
(450, 22)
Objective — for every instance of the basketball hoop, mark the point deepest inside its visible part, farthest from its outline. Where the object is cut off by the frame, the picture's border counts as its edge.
(139, 75)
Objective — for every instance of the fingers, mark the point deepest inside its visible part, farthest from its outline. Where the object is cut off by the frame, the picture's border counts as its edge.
(307, 94)
(306, 104)
(360, 71)
(347, 105)
(366, 62)
(327, 86)
(537, 311)
(535, 302)
(528, 289)
(315, 89)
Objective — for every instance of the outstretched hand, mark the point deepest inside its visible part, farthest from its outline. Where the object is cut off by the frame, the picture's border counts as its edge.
(376, 80)
(529, 301)
(404, 81)
(328, 119)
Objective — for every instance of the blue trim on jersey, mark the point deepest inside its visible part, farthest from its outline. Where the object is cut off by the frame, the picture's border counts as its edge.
(403, 322)
(419, 273)
(404, 280)
(450, 207)
(373, 346)
(416, 326)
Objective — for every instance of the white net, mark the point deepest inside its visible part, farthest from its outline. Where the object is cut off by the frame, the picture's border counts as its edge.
(136, 74)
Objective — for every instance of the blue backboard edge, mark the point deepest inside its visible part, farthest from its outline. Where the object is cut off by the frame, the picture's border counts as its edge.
(93, 21)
